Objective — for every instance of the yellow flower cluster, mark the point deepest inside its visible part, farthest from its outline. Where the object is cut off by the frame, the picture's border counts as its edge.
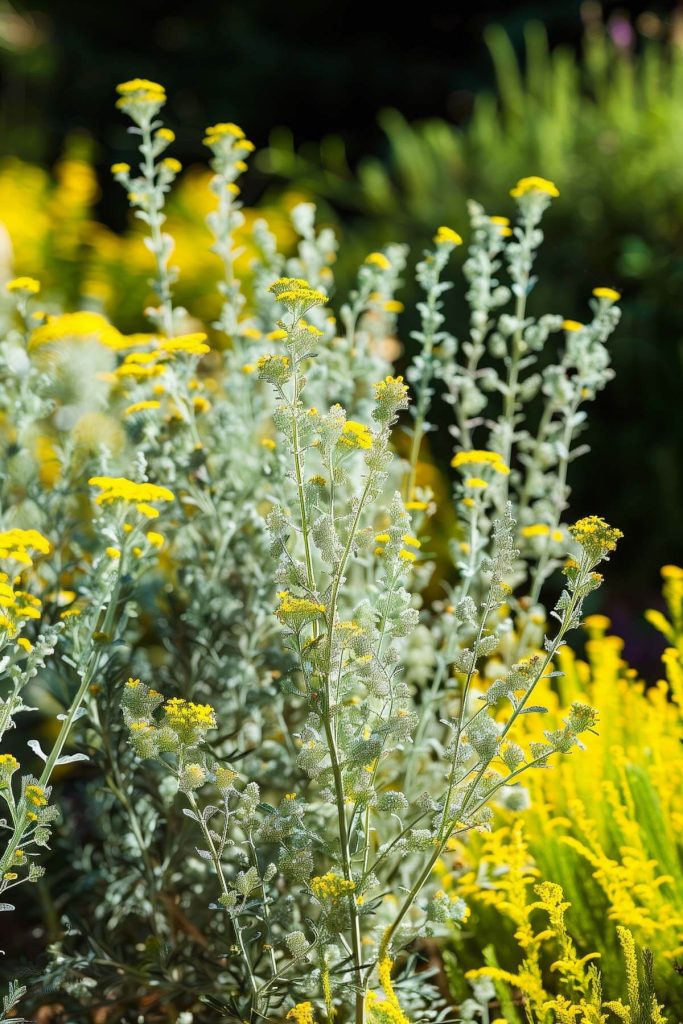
(8, 766)
(226, 131)
(480, 457)
(302, 1013)
(82, 326)
(595, 535)
(23, 284)
(532, 185)
(503, 224)
(297, 292)
(190, 344)
(118, 488)
(356, 435)
(392, 389)
(182, 712)
(387, 1010)
(140, 92)
(296, 610)
(17, 544)
(35, 795)
(15, 607)
(378, 259)
(608, 820)
(331, 888)
(541, 530)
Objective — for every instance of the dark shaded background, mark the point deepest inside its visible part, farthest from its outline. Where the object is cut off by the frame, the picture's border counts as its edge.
(322, 69)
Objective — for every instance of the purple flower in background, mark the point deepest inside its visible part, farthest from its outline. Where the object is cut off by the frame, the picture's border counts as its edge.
(622, 33)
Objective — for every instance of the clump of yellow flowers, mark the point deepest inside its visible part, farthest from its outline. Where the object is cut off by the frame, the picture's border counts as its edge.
(318, 733)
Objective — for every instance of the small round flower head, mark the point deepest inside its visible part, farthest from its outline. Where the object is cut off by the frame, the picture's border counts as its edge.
(192, 777)
(8, 766)
(144, 739)
(356, 435)
(140, 99)
(608, 294)
(120, 169)
(391, 395)
(480, 457)
(502, 224)
(595, 536)
(331, 888)
(581, 718)
(296, 611)
(189, 721)
(572, 325)
(27, 285)
(276, 369)
(596, 625)
(35, 796)
(447, 236)
(223, 131)
(378, 259)
(302, 1013)
(297, 295)
(224, 777)
(189, 344)
(171, 165)
(534, 185)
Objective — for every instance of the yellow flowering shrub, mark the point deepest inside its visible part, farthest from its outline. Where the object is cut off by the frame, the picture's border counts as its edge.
(605, 825)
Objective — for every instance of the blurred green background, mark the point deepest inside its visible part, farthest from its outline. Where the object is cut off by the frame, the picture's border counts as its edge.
(392, 121)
